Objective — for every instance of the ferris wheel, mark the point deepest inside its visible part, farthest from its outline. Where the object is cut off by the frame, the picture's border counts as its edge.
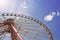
(21, 27)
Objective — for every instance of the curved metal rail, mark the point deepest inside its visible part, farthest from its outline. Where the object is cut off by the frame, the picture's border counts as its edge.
(26, 17)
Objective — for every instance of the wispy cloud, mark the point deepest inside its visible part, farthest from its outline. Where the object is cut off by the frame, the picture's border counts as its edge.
(16, 6)
(49, 17)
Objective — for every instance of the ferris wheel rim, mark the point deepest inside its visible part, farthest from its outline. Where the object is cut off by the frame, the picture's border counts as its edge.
(33, 19)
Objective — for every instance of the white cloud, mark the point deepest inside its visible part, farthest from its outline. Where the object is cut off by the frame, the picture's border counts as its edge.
(58, 14)
(49, 17)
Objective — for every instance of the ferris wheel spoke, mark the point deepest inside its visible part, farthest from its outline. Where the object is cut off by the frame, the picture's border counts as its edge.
(3, 36)
(28, 27)
(26, 35)
(35, 29)
(31, 34)
(36, 32)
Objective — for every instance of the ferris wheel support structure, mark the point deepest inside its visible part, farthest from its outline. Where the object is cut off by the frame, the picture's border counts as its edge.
(20, 25)
(13, 31)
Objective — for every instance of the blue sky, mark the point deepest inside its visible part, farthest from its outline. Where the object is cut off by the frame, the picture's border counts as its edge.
(39, 9)
(45, 7)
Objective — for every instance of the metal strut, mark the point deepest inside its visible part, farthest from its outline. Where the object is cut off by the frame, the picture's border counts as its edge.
(13, 31)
